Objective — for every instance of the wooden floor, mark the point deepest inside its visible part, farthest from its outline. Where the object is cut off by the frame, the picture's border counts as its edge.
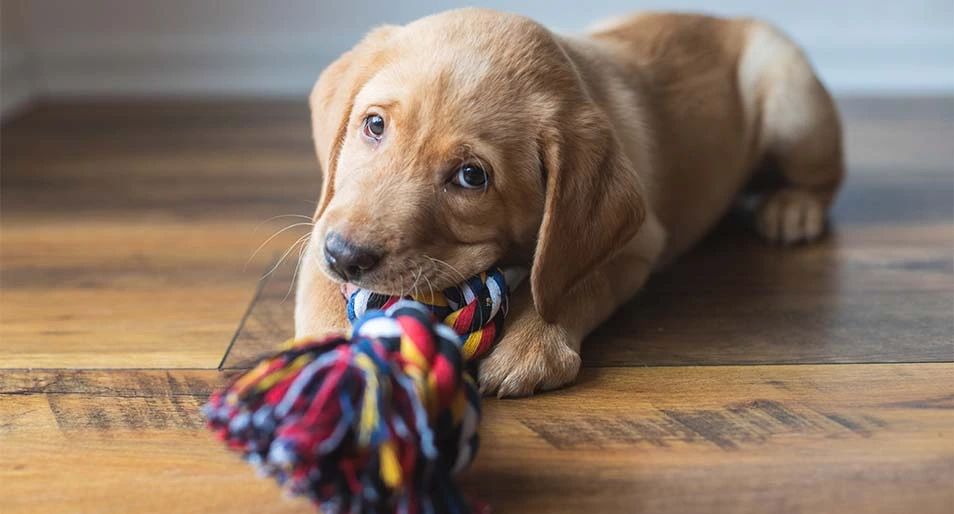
(745, 379)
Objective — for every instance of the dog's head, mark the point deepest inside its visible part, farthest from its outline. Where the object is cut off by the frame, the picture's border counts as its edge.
(461, 141)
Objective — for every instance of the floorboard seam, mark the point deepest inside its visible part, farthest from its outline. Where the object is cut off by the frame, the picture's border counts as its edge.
(241, 325)
(755, 364)
(109, 369)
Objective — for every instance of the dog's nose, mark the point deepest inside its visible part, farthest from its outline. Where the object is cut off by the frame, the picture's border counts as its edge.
(348, 259)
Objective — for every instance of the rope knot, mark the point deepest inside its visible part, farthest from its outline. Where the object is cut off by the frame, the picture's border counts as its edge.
(380, 421)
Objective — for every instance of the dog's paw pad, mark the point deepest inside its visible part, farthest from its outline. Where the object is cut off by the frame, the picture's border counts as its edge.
(790, 216)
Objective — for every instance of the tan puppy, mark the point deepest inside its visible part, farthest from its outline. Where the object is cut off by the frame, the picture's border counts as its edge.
(473, 138)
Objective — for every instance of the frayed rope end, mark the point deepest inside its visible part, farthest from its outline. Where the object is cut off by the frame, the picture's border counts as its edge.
(377, 423)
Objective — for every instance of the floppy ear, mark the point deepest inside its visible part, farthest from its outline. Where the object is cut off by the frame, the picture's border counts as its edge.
(594, 205)
(332, 100)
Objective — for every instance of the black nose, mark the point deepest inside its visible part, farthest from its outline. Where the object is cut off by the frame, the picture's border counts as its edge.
(348, 259)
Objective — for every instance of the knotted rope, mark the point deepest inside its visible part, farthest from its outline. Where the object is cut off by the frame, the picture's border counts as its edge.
(380, 421)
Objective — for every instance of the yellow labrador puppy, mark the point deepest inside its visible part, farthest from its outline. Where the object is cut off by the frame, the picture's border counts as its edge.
(473, 138)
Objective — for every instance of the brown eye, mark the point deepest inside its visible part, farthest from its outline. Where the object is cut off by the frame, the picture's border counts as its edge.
(374, 126)
(470, 176)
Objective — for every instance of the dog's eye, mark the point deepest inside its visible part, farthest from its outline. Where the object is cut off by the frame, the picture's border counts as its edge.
(470, 176)
(374, 126)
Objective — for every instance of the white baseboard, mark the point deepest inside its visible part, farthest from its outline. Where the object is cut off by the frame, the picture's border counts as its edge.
(16, 84)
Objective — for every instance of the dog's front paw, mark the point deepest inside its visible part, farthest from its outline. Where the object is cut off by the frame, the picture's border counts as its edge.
(533, 357)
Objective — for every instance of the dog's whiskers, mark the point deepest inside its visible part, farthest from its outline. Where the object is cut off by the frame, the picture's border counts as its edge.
(273, 236)
(280, 216)
(284, 255)
(460, 275)
(455, 281)
(445, 277)
(430, 287)
(301, 251)
(417, 277)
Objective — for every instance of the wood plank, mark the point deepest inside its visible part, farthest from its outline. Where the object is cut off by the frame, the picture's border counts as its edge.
(124, 234)
(183, 161)
(879, 289)
(127, 229)
(164, 294)
(120, 441)
(210, 172)
(809, 438)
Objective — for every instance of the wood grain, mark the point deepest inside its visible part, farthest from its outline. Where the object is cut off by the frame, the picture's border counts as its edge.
(880, 288)
(120, 441)
(744, 379)
(162, 295)
(128, 230)
(809, 438)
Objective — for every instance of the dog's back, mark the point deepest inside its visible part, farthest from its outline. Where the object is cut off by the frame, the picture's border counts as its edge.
(721, 95)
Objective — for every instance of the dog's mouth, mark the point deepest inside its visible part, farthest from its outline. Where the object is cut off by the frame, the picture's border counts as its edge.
(415, 284)
(514, 276)
(348, 289)
(419, 286)
(422, 277)
(423, 282)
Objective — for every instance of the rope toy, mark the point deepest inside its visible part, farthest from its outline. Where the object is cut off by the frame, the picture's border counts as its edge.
(380, 421)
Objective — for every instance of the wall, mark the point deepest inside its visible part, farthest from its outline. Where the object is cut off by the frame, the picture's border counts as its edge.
(16, 85)
(133, 47)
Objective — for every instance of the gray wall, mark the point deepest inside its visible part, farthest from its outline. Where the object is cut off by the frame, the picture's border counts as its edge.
(131, 47)
(16, 86)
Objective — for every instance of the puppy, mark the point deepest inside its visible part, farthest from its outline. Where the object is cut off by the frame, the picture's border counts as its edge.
(473, 138)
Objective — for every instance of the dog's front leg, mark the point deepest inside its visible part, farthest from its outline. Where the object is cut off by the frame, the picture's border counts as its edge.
(534, 355)
(320, 308)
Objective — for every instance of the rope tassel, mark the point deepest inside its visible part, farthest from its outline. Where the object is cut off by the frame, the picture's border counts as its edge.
(379, 422)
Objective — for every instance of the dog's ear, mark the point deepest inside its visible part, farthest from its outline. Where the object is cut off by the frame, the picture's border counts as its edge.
(594, 205)
(332, 100)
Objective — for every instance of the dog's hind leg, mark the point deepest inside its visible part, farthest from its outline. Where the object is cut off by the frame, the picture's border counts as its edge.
(798, 128)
